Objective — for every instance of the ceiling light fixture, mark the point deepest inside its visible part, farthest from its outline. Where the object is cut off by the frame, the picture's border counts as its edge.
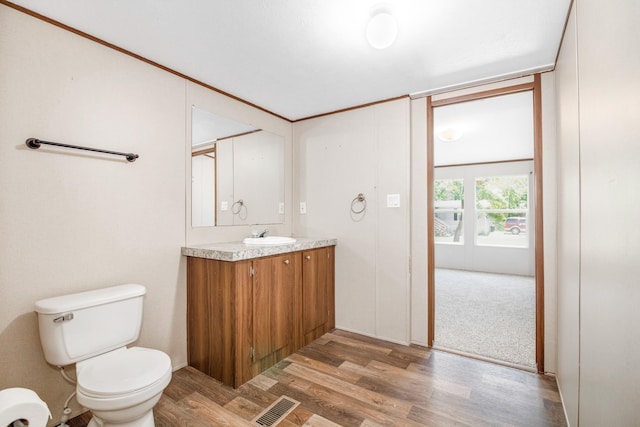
(449, 135)
(382, 28)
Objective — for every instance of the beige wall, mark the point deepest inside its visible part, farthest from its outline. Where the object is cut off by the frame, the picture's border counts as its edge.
(337, 157)
(568, 223)
(419, 265)
(550, 220)
(73, 221)
(599, 154)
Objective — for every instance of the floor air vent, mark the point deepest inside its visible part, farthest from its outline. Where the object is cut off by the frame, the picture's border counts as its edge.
(276, 412)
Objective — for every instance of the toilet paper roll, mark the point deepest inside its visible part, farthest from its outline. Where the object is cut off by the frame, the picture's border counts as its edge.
(22, 404)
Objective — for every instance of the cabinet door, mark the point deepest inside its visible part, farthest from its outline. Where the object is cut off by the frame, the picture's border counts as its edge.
(262, 308)
(283, 302)
(198, 314)
(314, 293)
(210, 323)
(274, 303)
(242, 312)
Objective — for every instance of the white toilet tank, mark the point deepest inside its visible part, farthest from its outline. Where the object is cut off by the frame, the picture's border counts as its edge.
(79, 326)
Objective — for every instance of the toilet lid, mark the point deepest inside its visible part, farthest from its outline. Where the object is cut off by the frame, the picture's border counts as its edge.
(122, 371)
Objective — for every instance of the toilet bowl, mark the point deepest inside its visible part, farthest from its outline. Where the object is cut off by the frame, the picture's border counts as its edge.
(123, 386)
(119, 385)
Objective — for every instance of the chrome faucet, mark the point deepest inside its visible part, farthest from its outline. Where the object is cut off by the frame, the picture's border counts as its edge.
(258, 233)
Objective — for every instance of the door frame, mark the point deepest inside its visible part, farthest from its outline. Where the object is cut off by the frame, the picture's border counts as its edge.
(536, 88)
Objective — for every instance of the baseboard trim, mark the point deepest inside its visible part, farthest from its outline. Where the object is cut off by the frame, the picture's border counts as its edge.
(342, 328)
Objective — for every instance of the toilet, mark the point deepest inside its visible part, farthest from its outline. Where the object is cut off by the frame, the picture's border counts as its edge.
(119, 385)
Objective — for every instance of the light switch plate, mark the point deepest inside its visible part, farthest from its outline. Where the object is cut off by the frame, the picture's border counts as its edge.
(281, 208)
(393, 200)
(224, 206)
(303, 207)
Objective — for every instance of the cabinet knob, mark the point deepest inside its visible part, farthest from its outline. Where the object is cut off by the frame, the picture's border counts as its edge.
(308, 257)
(286, 261)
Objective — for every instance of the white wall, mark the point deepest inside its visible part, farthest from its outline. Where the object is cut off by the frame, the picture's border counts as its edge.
(598, 158)
(337, 157)
(73, 221)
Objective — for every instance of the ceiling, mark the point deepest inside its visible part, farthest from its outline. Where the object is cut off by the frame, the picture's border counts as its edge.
(300, 58)
(485, 130)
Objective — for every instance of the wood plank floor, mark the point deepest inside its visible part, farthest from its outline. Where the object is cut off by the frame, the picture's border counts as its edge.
(344, 379)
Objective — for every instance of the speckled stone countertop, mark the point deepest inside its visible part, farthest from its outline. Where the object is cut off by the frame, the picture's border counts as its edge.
(237, 251)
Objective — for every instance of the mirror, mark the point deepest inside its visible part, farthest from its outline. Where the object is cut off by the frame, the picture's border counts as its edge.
(237, 173)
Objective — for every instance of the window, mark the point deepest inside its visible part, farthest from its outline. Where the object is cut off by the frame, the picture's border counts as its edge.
(502, 205)
(448, 206)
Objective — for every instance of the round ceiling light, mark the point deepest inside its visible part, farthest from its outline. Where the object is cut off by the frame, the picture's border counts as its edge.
(382, 28)
(449, 135)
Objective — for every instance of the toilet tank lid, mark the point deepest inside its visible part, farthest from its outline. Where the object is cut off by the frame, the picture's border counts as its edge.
(89, 298)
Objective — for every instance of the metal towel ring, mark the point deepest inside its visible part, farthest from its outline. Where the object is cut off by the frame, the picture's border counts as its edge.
(359, 199)
(239, 204)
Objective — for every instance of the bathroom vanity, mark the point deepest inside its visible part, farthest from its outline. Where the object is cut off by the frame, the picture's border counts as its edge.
(249, 307)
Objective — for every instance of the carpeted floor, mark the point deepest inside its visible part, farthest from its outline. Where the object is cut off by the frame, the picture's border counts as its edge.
(491, 315)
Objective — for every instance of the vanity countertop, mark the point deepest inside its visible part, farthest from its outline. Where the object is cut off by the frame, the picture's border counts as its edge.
(237, 251)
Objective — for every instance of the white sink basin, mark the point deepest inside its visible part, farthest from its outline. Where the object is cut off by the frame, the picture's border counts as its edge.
(269, 240)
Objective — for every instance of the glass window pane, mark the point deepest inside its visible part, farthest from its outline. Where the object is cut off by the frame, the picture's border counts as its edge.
(502, 192)
(502, 206)
(448, 207)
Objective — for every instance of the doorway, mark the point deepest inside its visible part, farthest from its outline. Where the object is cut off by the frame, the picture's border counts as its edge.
(485, 240)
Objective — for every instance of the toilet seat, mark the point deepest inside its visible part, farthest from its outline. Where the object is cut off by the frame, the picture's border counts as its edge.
(122, 377)
(122, 371)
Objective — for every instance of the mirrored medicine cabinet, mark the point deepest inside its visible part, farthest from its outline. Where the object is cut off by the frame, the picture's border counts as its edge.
(237, 172)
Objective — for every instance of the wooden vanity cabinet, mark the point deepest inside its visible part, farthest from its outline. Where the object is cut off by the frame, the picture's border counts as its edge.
(245, 316)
